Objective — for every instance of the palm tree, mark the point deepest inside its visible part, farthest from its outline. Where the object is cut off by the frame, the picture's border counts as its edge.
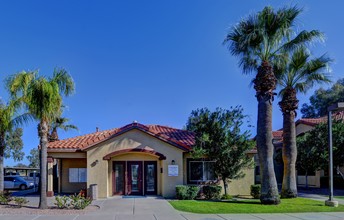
(261, 42)
(60, 123)
(8, 121)
(299, 75)
(43, 99)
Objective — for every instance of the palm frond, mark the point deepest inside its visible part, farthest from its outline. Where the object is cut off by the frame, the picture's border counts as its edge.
(64, 81)
(303, 38)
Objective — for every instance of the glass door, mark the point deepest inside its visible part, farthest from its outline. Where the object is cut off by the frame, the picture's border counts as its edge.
(134, 178)
(118, 178)
(150, 177)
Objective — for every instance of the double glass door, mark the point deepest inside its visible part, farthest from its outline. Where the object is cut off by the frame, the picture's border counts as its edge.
(134, 178)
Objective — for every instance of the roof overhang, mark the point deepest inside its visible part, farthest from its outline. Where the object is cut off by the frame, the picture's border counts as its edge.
(135, 150)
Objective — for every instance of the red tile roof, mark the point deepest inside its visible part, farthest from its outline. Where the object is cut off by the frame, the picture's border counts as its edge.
(180, 138)
(277, 134)
(315, 121)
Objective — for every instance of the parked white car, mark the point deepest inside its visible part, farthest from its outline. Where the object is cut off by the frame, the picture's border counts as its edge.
(16, 182)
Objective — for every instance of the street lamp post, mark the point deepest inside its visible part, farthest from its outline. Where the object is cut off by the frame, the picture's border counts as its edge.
(335, 107)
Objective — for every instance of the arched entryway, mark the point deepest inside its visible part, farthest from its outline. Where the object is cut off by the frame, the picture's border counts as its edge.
(135, 171)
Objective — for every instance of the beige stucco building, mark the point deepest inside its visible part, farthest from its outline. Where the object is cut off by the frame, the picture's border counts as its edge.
(302, 126)
(132, 160)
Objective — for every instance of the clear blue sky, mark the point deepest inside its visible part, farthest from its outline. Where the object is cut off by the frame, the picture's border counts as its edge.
(152, 61)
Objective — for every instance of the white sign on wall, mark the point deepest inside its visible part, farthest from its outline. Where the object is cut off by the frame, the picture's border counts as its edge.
(172, 170)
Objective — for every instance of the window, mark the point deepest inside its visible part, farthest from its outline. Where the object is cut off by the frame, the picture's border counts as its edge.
(77, 175)
(200, 171)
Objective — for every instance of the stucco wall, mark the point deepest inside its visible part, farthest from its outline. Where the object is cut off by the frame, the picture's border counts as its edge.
(66, 186)
(235, 187)
(98, 172)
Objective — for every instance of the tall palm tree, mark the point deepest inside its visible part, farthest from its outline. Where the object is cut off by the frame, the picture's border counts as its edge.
(299, 75)
(8, 120)
(60, 123)
(43, 99)
(262, 41)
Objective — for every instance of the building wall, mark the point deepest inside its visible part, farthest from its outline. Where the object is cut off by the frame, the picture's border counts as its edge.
(98, 170)
(66, 186)
(235, 187)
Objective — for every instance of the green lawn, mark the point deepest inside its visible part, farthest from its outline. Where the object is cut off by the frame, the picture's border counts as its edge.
(339, 197)
(253, 206)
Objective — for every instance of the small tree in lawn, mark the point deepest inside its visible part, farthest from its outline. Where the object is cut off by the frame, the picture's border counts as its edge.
(219, 138)
(310, 156)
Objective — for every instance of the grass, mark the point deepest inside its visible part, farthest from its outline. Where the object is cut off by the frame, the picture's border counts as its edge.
(339, 197)
(253, 206)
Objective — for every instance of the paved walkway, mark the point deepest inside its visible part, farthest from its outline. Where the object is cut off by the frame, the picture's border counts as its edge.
(152, 208)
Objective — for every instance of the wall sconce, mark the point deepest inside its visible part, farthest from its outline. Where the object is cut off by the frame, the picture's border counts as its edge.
(94, 163)
(173, 162)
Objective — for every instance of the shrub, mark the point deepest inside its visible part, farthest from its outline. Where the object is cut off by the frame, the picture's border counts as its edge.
(212, 191)
(80, 202)
(255, 191)
(226, 197)
(72, 202)
(62, 202)
(192, 192)
(181, 192)
(184, 192)
(19, 201)
(5, 197)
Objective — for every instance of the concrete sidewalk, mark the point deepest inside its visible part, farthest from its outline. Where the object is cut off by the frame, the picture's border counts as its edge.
(156, 208)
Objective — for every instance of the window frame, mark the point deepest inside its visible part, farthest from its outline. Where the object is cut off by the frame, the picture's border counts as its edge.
(188, 171)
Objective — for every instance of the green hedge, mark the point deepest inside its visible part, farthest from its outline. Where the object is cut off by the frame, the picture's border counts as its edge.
(212, 191)
(255, 191)
(184, 192)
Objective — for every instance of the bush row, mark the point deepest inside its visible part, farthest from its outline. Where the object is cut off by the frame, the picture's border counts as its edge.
(6, 197)
(72, 202)
(184, 192)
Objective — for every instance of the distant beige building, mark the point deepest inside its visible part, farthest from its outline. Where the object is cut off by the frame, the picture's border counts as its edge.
(303, 125)
(135, 159)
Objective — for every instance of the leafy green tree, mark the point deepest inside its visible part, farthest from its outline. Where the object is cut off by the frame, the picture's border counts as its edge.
(8, 146)
(43, 99)
(20, 165)
(299, 75)
(262, 41)
(310, 158)
(323, 98)
(315, 145)
(33, 158)
(219, 138)
(14, 142)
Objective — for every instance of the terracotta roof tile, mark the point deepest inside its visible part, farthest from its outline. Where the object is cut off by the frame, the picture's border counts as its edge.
(180, 138)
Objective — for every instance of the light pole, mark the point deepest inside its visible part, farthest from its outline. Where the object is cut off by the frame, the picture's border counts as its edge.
(335, 107)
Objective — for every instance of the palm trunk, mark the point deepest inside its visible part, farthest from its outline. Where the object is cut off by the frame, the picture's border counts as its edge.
(289, 150)
(2, 156)
(265, 83)
(269, 190)
(43, 135)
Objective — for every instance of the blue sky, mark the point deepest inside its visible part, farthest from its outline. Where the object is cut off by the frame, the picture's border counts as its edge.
(151, 61)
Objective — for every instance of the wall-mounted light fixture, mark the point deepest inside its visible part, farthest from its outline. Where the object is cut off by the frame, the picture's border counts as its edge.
(173, 162)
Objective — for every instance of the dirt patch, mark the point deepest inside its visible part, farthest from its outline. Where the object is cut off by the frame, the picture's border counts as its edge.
(29, 210)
